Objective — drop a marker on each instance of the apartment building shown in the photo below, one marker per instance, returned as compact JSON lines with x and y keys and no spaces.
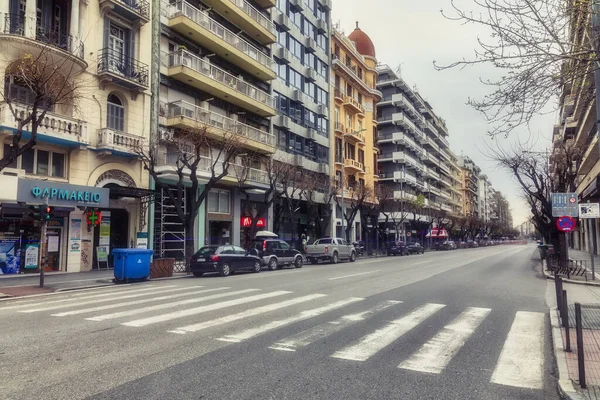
{"x":302,"y":98}
{"x":486,"y":198}
{"x":216,"y":73}
{"x":85,"y":158}
{"x":415,"y":157}
{"x":470,"y":186}
{"x":456,"y":200}
{"x":354,"y":99}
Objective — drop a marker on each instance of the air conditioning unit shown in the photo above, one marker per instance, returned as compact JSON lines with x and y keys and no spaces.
{"x":322,"y":110}
{"x":297,"y":5}
{"x":310,"y":45}
{"x":298,"y":160}
{"x":326,"y":4}
{"x":298,"y":96}
{"x":13,"y":172}
{"x":166,"y":134}
{"x":311,"y":134}
{"x":282,"y":121}
{"x":310,"y":74}
{"x":324,"y":168}
{"x":283,"y":22}
{"x":322,"y":26}
{"x":283,"y":55}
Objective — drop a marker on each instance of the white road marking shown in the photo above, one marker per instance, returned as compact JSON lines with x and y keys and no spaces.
{"x":302,"y":339}
{"x":252,"y":332}
{"x":135,"y":302}
{"x":94,"y":301}
{"x":521,"y":362}
{"x":435,"y":355}
{"x":349,"y":276}
{"x":168,"y":305}
{"x":203,"y":309}
{"x":422,"y":262}
{"x":255,"y":311}
{"x":370,"y":344}
{"x":79,"y":297}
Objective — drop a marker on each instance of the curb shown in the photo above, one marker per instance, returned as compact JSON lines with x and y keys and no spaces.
{"x":585,"y":283}
{"x":565,"y":385}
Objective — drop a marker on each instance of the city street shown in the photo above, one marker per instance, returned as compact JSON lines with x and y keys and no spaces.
{"x":466,"y":324}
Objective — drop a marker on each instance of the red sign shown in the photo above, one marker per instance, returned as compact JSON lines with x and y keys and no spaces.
{"x":566,"y":224}
{"x":93,"y":217}
{"x":246,"y":222}
{"x":438,"y":233}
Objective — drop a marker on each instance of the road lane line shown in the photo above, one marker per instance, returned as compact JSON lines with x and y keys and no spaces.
{"x":370,"y":344}
{"x":349,"y":276}
{"x":94,"y":301}
{"x":423,"y":262}
{"x":435,"y":355}
{"x":521,"y":362}
{"x":304,"y":338}
{"x":198,"y":310}
{"x":136,"y":302}
{"x":252,"y":332}
{"x":255,"y":311}
{"x":157,"y":307}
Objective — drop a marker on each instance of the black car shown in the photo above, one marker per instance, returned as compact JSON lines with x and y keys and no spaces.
{"x":397,"y":248}
{"x":276,"y":253}
{"x":415,"y":248}
{"x":224,"y":260}
{"x":447,"y":245}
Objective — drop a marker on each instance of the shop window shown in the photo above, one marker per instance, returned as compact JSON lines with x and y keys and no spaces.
{"x":40,"y":162}
{"x":219,"y":201}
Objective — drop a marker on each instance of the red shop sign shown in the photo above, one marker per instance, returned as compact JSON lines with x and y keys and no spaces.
{"x":246,"y":222}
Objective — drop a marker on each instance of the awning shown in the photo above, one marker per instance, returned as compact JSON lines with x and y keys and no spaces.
{"x":117,"y":192}
{"x":437,"y":233}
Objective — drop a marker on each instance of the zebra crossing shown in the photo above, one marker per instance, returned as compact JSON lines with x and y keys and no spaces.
{"x":520,"y":363}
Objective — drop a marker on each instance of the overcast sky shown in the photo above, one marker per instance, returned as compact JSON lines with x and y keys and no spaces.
{"x":411,"y":34}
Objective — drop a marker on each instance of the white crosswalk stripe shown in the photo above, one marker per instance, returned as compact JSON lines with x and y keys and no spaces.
{"x":164,"y":306}
{"x":143,"y":301}
{"x":437,"y":352}
{"x":245,"y":314}
{"x":259,"y":330}
{"x":311,"y":335}
{"x":370,"y":344}
{"x":521,"y":361}
{"x":198,"y":310}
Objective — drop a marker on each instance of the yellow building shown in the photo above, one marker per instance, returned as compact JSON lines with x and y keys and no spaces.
{"x":87,"y":143}
{"x":354,"y":100}
{"x":470,"y":186}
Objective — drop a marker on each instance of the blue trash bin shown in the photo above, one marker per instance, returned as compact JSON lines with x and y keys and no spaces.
{"x":131,"y":264}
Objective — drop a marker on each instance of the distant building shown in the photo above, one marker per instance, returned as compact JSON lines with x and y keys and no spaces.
{"x":470,"y":186}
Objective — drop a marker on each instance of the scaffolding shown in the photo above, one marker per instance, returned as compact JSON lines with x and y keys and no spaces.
{"x":169,"y":231}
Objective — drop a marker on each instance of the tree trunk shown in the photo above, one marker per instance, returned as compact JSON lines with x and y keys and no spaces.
{"x":190,"y":247}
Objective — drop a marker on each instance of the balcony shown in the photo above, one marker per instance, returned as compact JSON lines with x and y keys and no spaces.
{"x":433,"y":174}
{"x":353,"y":165}
{"x":61,"y":45}
{"x":122,"y":70}
{"x":354,"y":136}
{"x":338,"y":95}
{"x":131,"y":10}
{"x":54,"y":128}
{"x":114,"y":141}
{"x":249,"y":175}
{"x":400,"y":100}
{"x":201,"y":74}
{"x":339,"y":127}
{"x":432,"y":143}
{"x":353,"y":104}
{"x":432,"y":129}
{"x":350,"y":72}
{"x":200,"y":28}
{"x":248,"y":18}
{"x":406,"y":140}
{"x":444,"y":167}
{"x":404,"y":195}
{"x":402,"y":120}
{"x":183,"y":115}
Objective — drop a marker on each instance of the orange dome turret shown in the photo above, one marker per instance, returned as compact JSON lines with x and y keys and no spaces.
{"x":363,"y":42}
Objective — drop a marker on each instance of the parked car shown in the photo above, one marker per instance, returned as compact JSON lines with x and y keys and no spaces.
{"x":447,"y":245}
{"x":223,"y":259}
{"x":275,"y":253}
{"x":415,"y":248}
{"x":471,"y":244}
{"x":461,"y":245}
{"x":330,"y":249}
{"x":397,"y":248}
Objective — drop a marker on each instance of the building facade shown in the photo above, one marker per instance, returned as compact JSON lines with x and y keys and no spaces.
{"x":470,"y":186}
{"x":485,"y":198}
{"x":354,"y":151}
{"x":87,"y":142}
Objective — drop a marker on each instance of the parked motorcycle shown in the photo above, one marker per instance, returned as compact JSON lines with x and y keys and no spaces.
{"x":359,"y":247}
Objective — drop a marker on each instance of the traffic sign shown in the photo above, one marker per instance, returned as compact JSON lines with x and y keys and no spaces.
{"x":566,"y":224}
{"x":589,"y":210}
{"x":565,"y":204}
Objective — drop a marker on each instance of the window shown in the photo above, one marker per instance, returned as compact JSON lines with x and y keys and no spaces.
{"x":309,"y":29}
{"x":361,"y":156}
{"x":309,"y":89}
{"x":310,"y":119}
{"x":295,"y":79}
{"x":322,"y":154}
{"x":218,"y":201}
{"x":40,"y":162}
{"x":282,"y":72}
{"x":322,"y":41}
{"x":322,"y":97}
{"x":43,"y":158}
{"x":115,"y":113}
{"x":58,"y":164}
{"x":323,"y":127}
{"x":284,"y":246}
{"x":309,"y":60}
{"x":295,"y":48}
{"x":282,"y":39}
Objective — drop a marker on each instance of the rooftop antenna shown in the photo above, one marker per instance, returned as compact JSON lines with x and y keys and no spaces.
{"x":399,"y":70}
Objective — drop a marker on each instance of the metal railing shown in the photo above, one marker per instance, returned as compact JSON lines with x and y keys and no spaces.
{"x":108,"y":137}
{"x":253,"y":13}
{"x":140,"y":7}
{"x":201,"y":18}
{"x":111,"y":61}
{"x":14,"y":24}
{"x":184,"y":58}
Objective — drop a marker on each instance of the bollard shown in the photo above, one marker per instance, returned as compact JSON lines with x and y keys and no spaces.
{"x":566,"y":321}
{"x":558,"y":287}
{"x":580,"y":359}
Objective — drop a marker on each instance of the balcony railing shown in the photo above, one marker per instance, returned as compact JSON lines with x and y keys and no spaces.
{"x":184,"y":58}
{"x":354,"y":103}
{"x":253,"y":13}
{"x":141,"y":8}
{"x":184,"y":109}
{"x":339,"y":127}
{"x":202,"y":19}
{"x":349,"y":162}
{"x":116,"y":140}
{"x":113,"y":62}
{"x":14,"y":24}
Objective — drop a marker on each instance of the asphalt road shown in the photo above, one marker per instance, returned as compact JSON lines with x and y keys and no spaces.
{"x":467,"y":324}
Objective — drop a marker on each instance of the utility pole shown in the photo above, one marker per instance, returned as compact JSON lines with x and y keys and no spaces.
{"x":595,"y":37}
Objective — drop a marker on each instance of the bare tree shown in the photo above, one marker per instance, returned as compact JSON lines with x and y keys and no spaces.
{"x":319,"y":193}
{"x":194,"y":154}
{"x":355,"y":198}
{"x":537,"y":47}
{"x":35,"y":84}
{"x":393,"y":209}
